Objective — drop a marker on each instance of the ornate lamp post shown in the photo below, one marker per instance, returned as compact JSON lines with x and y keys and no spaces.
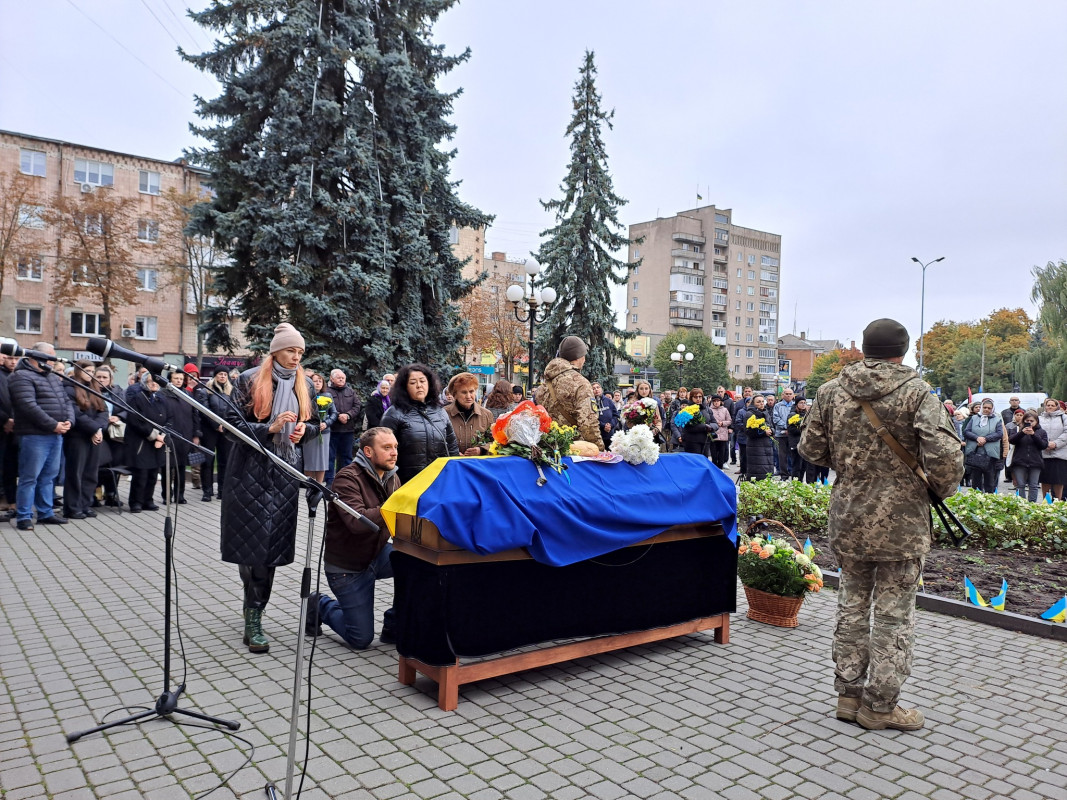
{"x":537,"y":302}
{"x":922,"y":306}
{"x":679,"y":357}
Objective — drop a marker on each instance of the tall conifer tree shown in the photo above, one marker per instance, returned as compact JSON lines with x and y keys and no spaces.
{"x":577,"y":256}
{"x":330,"y":187}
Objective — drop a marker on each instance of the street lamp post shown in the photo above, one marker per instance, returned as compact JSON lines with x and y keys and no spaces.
{"x":537,"y":303}
{"x":679,"y":357}
{"x":922,"y":307}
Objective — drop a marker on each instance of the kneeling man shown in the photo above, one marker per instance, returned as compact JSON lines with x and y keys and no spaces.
{"x":355,"y":556}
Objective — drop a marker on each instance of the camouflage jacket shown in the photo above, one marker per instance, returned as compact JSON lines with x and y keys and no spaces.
{"x":879,"y":509}
{"x":568,"y":398}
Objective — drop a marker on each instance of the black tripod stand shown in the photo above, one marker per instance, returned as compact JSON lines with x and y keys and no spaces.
{"x":167,"y":703}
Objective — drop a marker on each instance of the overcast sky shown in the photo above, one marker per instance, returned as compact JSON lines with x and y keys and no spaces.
{"x":863,"y":133}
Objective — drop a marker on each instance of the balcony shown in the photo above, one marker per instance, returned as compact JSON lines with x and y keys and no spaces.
{"x":691,"y":299}
{"x":677,"y":270}
{"x":718,"y":336}
{"x":696,"y":238}
{"x":691,"y":323}
{"x":720,"y":255}
{"x":690,"y":254}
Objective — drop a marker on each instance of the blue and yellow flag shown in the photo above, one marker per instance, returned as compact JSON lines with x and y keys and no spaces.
{"x":809,"y":548}
{"x":1058,"y":611}
{"x":489,"y":505}
{"x":973,"y":594}
{"x":998,"y":601}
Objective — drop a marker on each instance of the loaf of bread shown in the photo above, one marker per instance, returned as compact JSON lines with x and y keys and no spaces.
{"x":580,"y":448}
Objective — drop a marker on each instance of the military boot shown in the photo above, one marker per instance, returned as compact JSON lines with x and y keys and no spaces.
{"x":847,"y":708}
{"x":254,"y":637}
{"x":899,"y":719}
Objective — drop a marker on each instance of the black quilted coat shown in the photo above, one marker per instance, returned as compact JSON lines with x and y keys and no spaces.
{"x":38,"y":400}
{"x":423,"y":433}
{"x":760,"y":451}
{"x":259,"y":501}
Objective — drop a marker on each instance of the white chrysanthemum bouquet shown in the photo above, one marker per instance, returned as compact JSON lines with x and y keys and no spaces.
{"x":636,"y":445}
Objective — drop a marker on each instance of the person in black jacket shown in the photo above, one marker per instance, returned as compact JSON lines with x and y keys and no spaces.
{"x":759,"y":450}
{"x":378,"y":403}
{"x":145,"y":440}
{"x":418,"y":421}
{"x":9,"y":461}
{"x":184,"y":421}
{"x":1030,"y":441}
{"x":216,"y":395}
{"x":272,"y":404}
{"x":695,"y":434}
{"x":43,"y":414}
{"x":83,"y":445}
{"x":349,"y":422}
{"x":114,"y":455}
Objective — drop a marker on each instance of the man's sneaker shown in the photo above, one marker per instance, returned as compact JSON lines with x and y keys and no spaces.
{"x":24,"y":524}
{"x":312,"y":625}
{"x":847,"y":708}
{"x":52,"y":520}
{"x":899,"y":719}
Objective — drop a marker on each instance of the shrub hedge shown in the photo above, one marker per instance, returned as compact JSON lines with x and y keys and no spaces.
{"x":996,"y":521}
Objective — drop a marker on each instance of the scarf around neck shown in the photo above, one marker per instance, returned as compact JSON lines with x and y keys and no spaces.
{"x":284,"y":400}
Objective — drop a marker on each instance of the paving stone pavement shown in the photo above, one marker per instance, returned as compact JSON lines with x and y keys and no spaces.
{"x":80,"y":616}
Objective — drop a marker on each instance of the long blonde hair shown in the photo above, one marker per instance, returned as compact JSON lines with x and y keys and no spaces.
{"x":263,"y":391}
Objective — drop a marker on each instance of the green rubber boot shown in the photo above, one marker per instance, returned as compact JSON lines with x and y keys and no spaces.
{"x":254,"y":637}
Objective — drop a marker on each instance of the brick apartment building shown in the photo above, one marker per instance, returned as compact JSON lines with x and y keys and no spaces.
{"x":699,"y":270}
{"x":801,"y":352}
{"x":163,"y":321}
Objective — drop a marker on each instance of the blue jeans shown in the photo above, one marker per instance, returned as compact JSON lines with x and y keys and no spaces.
{"x":341,"y":444}
{"x":39,"y":457}
{"x":1028,"y":482}
{"x":351,"y":615}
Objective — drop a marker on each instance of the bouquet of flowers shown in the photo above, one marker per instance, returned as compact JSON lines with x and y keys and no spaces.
{"x":521,"y":433}
{"x":688,"y":415}
{"x":757,"y":426}
{"x":322,"y":405}
{"x":639,"y":412}
{"x":771,"y":564}
{"x":636,"y":446}
{"x":794,"y":424}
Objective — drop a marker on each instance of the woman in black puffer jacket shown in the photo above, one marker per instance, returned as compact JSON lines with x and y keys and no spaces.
{"x":760,"y":461}
{"x":1030,"y":440}
{"x":423,"y":431}
{"x":260,"y":501}
{"x":695,"y":434}
{"x":84,"y":446}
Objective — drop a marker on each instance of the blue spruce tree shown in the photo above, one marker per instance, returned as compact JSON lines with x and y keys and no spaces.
{"x":577,"y":255}
{"x":331,"y":190}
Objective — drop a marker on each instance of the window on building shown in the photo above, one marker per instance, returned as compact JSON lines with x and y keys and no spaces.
{"x":453,"y":235}
{"x":737,"y":368}
{"x":752,"y":274}
{"x":740,"y":272}
{"x":767,"y":369}
{"x":748,"y":369}
{"x":79,"y":274}
{"x":737,"y":321}
{"x":738,"y":307}
{"x":494,"y":290}
{"x":696,"y":248}
{"x":722,"y":218}
{"x":84,"y":324}
{"x":769,"y":276}
{"x":635,"y":286}
{"x":749,"y":337}
{"x":749,"y":322}
{"x":767,"y":261}
{"x":636,"y":269}
{"x":718,"y":299}
{"x":720,"y":283}
{"x":738,"y":288}
{"x":633,"y":302}
{"x":751,"y":306}
{"x":96,"y":173}
{"x":148,"y":230}
{"x":737,"y":337}
{"x":31,"y":216}
{"x":748,"y":352}
{"x":148,"y":182}
{"x":30,"y":268}
{"x":722,"y":235}
{"x":145,"y":328}
{"x":32,"y":162}
{"x":93,"y":224}
{"x":751,"y":291}
{"x":637,"y":255}
{"x":148,"y":280}
{"x":737,"y":352}
{"x":764,"y":353}
{"x":28,"y":320}
{"x":752,"y":259}
{"x":740,"y":257}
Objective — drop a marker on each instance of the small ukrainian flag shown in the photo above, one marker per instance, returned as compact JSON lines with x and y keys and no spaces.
{"x":1058,"y":611}
{"x":973,"y":594}
{"x":998,"y":601}
{"x":809,"y":548}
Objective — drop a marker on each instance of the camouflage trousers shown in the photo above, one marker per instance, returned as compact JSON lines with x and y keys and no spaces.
{"x":873,"y":661}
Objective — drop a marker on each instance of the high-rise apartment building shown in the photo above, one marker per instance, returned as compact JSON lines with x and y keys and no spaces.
{"x":699,"y":270}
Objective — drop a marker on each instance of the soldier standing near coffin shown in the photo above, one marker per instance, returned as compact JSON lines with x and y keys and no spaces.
{"x":880,"y":527}
{"x":567,"y":396}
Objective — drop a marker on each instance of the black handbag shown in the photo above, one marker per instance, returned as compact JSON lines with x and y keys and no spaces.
{"x":978,"y":459}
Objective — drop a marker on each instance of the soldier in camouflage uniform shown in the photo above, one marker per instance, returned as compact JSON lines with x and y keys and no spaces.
{"x":880,"y":526}
{"x":567,"y":396}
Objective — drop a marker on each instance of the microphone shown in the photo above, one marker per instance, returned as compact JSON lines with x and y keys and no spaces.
{"x":12,"y":349}
{"x":106,"y":348}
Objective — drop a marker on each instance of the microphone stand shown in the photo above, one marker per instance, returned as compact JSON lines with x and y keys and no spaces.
{"x":167,"y":702}
{"x":305,"y":581}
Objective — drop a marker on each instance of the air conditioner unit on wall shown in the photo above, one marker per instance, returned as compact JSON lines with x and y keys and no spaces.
{"x":128,"y":333}
{"x":87,"y":188}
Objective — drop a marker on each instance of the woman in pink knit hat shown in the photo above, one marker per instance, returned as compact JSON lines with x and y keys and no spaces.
{"x":260,"y":502}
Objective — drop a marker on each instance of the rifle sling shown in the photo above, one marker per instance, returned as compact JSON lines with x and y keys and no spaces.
{"x":880,"y":428}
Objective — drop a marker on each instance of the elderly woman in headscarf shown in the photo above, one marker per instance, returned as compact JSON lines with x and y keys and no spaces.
{"x":260,"y":502}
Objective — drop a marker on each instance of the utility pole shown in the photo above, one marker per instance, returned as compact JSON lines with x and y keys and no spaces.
{"x":981,"y":379}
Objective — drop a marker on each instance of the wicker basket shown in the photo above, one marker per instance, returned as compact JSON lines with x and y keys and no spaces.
{"x":773,"y":609}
